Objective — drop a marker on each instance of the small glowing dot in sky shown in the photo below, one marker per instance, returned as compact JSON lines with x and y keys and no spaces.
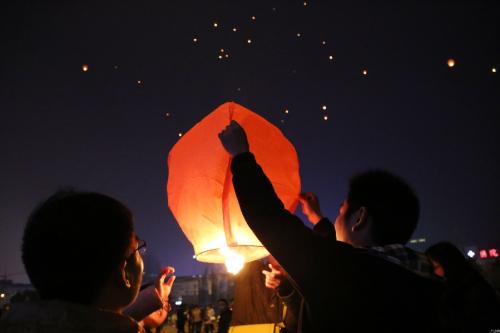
{"x":249,"y":41}
{"x":235,"y":29}
{"x":167,"y":114}
{"x":299,"y":34}
{"x":323,"y":42}
{"x":195,"y":39}
{"x":493,"y":70}
{"x":286,"y":111}
{"x":220,"y":56}
{"x":253,"y":18}
{"x":365,"y":72}
{"x":227,"y":55}
{"x":139,"y":81}
{"x":305,"y":3}
{"x":451,"y":62}
{"x":325,"y":117}
{"x":324,"y":107}
{"x":330,"y":57}
{"x":222,"y":50}
{"x":216,"y":24}
{"x":180,"y":134}
{"x":85,"y":67}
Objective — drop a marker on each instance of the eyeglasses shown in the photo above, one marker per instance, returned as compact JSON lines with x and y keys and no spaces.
{"x":141,"y":248}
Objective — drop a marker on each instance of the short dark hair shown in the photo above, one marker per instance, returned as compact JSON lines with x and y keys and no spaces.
{"x":223,"y":300}
{"x":389,"y":200}
{"x":454,"y":263}
{"x":72,"y":242}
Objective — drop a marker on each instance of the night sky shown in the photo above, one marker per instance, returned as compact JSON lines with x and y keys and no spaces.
{"x":154,"y":72}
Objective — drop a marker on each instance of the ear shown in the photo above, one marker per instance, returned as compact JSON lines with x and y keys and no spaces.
{"x":361,"y":219}
{"x":124,"y":275}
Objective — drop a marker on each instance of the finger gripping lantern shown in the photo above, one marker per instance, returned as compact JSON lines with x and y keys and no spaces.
{"x":200,"y":189}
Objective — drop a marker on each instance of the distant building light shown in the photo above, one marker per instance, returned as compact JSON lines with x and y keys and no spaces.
{"x":471,"y":254}
{"x":483,"y":254}
{"x":493,"y":253}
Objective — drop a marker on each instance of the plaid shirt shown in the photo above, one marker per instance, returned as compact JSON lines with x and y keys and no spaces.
{"x":405,"y":257}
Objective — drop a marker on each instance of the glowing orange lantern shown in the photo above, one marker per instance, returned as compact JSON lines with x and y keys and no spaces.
{"x":200,"y":189}
{"x":451,"y":62}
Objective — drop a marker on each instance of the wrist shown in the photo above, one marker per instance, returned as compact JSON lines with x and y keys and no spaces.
{"x":315,"y":218}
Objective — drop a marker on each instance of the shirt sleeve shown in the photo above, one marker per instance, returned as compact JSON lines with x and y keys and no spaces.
{"x":300,"y":251}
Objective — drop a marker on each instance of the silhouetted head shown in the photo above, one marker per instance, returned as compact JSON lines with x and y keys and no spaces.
{"x":222,"y":305}
{"x":81,"y":247}
{"x":380,"y":209}
{"x":448,"y":260}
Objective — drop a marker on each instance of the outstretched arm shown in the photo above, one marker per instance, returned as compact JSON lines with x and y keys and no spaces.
{"x":296,"y":247}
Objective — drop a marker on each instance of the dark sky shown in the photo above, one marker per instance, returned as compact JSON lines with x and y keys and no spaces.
{"x":101,"y":130}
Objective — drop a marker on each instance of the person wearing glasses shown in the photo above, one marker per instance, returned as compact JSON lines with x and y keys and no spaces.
{"x":84,"y":258}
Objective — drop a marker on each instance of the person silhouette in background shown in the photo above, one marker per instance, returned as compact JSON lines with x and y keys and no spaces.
{"x":469,"y":303}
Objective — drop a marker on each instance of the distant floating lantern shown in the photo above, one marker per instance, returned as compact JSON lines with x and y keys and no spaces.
{"x":451,"y":62}
{"x":365,"y":72}
{"x":216,"y":24}
{"x":323,"y":42}
{"x":323,"y":107}
{"x":249,"y":41}
{"x":253,"y":18}
{"x":195,"y":39}
{"x":286,"y":111}
{"x":139,"y":81}
{"x":85,"y":67}
{"x":299,"y":34}
{"x":200,"y":190}
{"x":325,"y":117}
{"x":493,"y":70}
{"x":235,"y":29}
{"x":180,"y":134}
{"x":330,"y":57}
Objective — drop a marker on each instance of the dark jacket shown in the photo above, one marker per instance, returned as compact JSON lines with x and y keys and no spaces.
{"x":224,"y":321}
{"x":63,"y":317}
{"x":347,"y":289}
{"x":253,"y":302}
{"x":469,"y":305}
{"x":296,"y":318}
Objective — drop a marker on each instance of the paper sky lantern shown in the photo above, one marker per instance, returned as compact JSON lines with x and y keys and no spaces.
{"x":451,"y":62}
{"x":200,"y":189}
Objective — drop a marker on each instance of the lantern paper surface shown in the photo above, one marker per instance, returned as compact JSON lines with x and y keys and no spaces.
{"x":200,"y":189}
